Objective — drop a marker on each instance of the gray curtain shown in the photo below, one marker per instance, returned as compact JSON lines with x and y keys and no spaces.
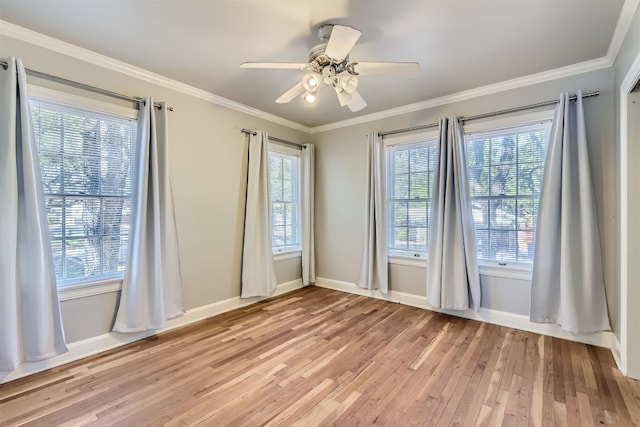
{"x":568,"y":286}
{"x":308,"y":221}
{"x":152,"y":285}
{"x":374,"y":268}
{"x":258,"y":274}
{"x":30,"y":322}
{"x":453,"y":280}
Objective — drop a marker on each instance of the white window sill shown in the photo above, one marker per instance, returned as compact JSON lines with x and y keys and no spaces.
{"x":509,"y":271}
{"x":416,"y":260}
{"x":279,"y":256}
{"x":83,"y":290}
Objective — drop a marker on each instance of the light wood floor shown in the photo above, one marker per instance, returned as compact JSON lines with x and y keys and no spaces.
{"x":321,"y":357}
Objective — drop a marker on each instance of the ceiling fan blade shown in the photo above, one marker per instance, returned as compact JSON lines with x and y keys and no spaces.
{"x":395,"y":69}
{"x":298,"y":89}
{"x":275,"y":65}
{"x":341,"y":42}
{"x":356,"y":103}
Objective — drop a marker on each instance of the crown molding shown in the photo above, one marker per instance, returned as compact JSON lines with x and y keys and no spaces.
{"x":545,"y":76}
{"x":622,"y":28}
{"x":20,"y":33}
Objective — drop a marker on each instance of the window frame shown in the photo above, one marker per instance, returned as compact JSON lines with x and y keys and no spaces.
{"x":517,"y":271}
{"x":87,"y":286}
{"x":507,"y":268}
{"x":396,"y":256}
{"x":292,"y":251}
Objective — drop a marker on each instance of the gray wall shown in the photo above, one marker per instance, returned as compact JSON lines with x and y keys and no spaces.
{"x":629,"y":49}
{"x":208,"y":167}
{"x":340,"y":188}
{"x":628,"y":53}
{"x":208,"y":156}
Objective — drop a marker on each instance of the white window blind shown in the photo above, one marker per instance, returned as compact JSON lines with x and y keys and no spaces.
{"x":86,"y":160}
{"x":505,"y":169}
{"x":410,"y":173}
{"x":285,"y":201}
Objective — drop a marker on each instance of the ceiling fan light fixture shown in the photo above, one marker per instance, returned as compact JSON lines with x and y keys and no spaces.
{"x":347,"y":83}
{"x":310,"y":97}
{"x":310,"y":83}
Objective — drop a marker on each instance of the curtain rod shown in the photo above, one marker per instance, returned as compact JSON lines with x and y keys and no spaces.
{"x":273,"y":138}
{"x":100,"y":91}
{"x":485,"y":115}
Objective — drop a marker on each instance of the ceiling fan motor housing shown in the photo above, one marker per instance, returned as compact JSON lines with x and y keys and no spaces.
{"x":318,"y":61}
{"x":324,"y":32}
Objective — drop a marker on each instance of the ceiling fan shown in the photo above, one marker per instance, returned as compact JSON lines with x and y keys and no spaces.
{"x":329,"y":64}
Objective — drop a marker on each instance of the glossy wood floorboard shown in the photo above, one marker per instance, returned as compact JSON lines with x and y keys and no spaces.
{"x":322,"y":357}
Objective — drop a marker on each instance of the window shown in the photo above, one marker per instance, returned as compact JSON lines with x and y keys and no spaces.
{"x":285,"y":200}
{"x":87,"y":163}
{"x":410,"y":172}
{"x":505,"y":169}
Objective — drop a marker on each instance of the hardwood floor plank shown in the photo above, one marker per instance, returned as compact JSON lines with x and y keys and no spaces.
{"x":579,"y":379}
{"x":596,"y":408}
{"x":477,"y":408}
{"x":322,"y":357}
{"x":493,"y":389}
{"x":308,"y":399}
{"x":559,"y":414}
{"x":525,"y":398}
{"x":622,"y":415}
{"x":567,"y":369}
{"x":548,"y":409}
{"x":586,"y":416}
{"x":483,"y":417}
{"x":558,"y":372}
{"x":572,"y":410}
{"x":497,"y":415}
{"x":514,"y":396}
{"x":631,"y":399}
{"x":450,"y":354}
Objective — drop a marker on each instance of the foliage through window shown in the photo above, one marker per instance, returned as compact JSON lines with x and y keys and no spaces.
{"x":505,"y":169}
{"x":410,"y":173}
{"x":285,"y":201}
{"x":86,"y":161}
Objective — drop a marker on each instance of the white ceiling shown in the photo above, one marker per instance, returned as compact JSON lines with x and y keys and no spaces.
{"x":460,"y":45}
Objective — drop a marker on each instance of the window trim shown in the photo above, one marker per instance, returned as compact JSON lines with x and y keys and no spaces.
{"x":52,"y":95}
{"x":392,"y":142}
{"x":508,"y":269}
{"x":406,"y":259}
{"x":288,"y":251}
{"x":492,"y":268}
{"x":88,"y":286}
{"x":489,"y":269}
{"x":520,"y":120}
{"x":89,"y":289}
{"x":513,"y":270}
{"x":409,"y":139}
{"x":281,"y":256}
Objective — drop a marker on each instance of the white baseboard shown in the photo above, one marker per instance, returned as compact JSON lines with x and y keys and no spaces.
{"x":616,"y":350}
{"x":502,"y":318}
{"x":98,"y":344}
